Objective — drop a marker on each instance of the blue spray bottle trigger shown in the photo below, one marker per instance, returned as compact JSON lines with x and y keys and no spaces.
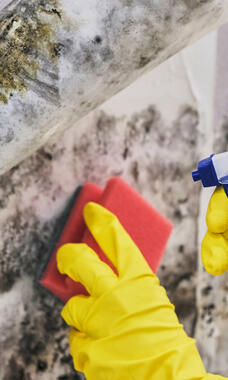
{"x":213,"y":171}
{"x":206,"y":173}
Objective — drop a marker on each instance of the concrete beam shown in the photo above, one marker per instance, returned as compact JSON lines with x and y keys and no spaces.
{"x":62,"y":58}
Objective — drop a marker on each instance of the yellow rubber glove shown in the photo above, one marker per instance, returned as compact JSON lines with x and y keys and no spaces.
{"x":127,"y":328}
{"x":214,"y":250}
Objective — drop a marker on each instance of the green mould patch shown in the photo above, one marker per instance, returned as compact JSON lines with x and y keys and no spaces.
{"x":27,"y":43}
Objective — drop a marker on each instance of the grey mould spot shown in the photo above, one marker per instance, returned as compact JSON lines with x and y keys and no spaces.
{"x":192,"y":4}
{"x":6,"y":137}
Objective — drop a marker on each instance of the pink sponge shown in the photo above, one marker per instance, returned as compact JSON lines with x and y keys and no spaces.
{"x":149,"y":230}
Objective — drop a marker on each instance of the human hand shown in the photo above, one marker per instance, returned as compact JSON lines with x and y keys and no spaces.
{"x":214,"y":249}
{"x":127,"y":328}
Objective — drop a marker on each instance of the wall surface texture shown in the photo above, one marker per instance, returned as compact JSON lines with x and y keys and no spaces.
{"x":152,"y":134}
{"x":59,"y":59}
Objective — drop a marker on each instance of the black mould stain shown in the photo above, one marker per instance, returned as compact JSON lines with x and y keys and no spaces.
{"x":14,"y":371}
{"x":143,"y":61}
{"x":98,"y":40}
{"x":26,"y":35}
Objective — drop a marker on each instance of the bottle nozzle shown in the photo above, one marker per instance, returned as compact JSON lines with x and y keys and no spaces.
{"x":196,"y":176}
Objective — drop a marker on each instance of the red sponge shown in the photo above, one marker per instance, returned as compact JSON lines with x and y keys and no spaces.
{"x":149,"y":230}
{"x":72,"y":233}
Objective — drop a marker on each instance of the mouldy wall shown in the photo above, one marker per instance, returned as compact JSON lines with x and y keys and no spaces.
{"x":33,"y":337}
{"x":58,"y":61}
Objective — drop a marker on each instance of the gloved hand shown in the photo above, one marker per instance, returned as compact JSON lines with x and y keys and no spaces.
{"x":127,"y":328}
{"x":214,"y":250}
